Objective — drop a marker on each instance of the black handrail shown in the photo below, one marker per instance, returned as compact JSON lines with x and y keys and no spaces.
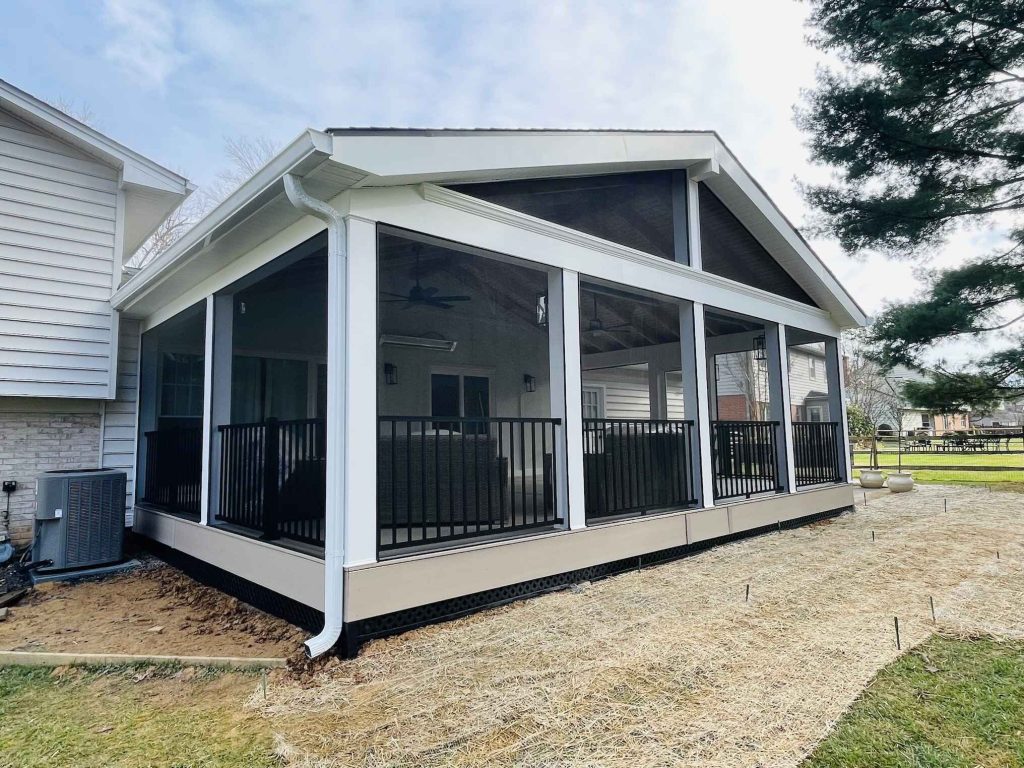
{"x":816,"y":452}
{"x":284,"y":496}
{"x":174,"y":467}
{"x":451,"y":478}
{"x":745,"y":458}
{"x":636,"y":466}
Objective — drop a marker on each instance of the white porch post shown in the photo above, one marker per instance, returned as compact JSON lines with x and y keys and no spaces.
{"x":837,"y":402}
{"x":359,"y":395}
{"x":572,"y":494}
{"x":778,"y":383}
{"x":207,"y":449}
{"x":697,"y":403}
{"x":221,"y":313}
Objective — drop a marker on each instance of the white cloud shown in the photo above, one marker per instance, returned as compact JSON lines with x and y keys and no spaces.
{"x":142,"y":41}
{"x":736,"y":66}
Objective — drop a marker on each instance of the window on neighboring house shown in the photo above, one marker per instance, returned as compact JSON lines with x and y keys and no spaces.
{"x":926,"y":420}
{"x":814,"y":413}
{"x":812,"y":367}
{"x":454,"y":395}
{"x":181,"y":385}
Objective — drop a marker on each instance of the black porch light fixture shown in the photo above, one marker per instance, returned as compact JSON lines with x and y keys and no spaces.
{"x":390,"y":374}
{"x":529,"y":382}
{"x":759,"y":348}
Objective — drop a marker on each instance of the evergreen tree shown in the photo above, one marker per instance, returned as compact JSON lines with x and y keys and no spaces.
{"x":925,"y":124}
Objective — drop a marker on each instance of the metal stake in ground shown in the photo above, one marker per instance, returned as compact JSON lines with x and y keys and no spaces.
{"x":747,"y":600}
{"x":931,"y":602}
{"x":872,"y":535}
{"x":896,"y":623}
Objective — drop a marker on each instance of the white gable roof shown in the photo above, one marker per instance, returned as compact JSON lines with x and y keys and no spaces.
{"x":151,"y":191}
{"x":339,"y":159}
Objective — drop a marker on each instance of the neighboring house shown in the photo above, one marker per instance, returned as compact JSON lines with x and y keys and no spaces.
{"x":1011,"y":414}
{"x":403,"y":374}
{"x":917,"y":420}
{"x":74,"y":204}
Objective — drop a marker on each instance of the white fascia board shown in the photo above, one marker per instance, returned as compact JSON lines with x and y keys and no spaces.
{"x":399,"y":159}
{"x":730,"y":168}
{"x":309,"y":145}
{"x":135,"y":168}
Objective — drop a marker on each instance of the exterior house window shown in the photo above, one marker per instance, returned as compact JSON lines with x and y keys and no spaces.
{"x":456,"y":395}
{"x":926,"y":420}
{"x":181,"y":385}
{"x":814,"y":413}
{"x":812,"y":368}
{"x":593,"y":403}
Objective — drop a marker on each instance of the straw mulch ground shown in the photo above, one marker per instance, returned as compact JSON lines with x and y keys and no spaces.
{"x":672,"y":666}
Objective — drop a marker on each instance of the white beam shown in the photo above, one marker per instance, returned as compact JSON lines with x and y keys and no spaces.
{"x":573,"y":426}
{"x":697,"y":403}
{"x":205,"y":477}
{"x":359,"y":326}
{"x":778,"y":383}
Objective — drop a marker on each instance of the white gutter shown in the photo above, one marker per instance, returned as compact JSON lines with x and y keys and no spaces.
{"x":334,"y":524}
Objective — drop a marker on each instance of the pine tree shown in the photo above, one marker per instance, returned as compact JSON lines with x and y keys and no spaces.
{"x":925,"y":124}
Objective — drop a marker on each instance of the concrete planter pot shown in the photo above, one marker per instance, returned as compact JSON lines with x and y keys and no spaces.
{"x":901,"y":482}
{"x":871,"y":478}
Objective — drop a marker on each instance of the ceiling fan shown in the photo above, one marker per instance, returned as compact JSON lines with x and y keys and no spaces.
{"x":420,"y":296}
{"x":596,"y":325}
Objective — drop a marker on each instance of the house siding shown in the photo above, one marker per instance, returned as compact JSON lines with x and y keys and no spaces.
{"x":119,"y":414}
{"x":58,"y":252}
{"x":38,"y":435}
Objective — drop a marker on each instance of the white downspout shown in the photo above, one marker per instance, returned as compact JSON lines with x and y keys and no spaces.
{"x":334,"y":524}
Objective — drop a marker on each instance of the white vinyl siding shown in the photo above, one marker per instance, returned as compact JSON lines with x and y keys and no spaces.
{"x":626,"y":392}
{"x":118,"y":450}
{"x":58,"y":225}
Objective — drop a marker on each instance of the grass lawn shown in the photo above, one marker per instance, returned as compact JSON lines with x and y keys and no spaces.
{"x":948,"y":704}
{"x":970,"y":467}
{"x":128,"y":717}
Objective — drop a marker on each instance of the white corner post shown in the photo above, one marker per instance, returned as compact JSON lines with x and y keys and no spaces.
{"x":568,"y":363}
{"x":778,"y":384}
{"x":697,"y":404}
{"x":834,"y":376}
{"x":360,"y":490}
{"x":205,"y":476}
{"x":693,"y":222}
{"x":221,"y":313}
{"x":334,"y":523}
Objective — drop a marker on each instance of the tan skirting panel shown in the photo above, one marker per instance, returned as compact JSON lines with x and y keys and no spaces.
{"x":292,"y":574}
{"x":394,"y":585}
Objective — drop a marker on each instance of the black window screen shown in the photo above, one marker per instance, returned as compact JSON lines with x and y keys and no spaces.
{"x":729,"y":250}
{"x":632,"y":209}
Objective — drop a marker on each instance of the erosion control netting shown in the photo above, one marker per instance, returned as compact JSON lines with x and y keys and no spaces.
{"x":674,"y":665}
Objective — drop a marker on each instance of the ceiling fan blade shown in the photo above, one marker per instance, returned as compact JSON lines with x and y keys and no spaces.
{"x":395,"y":295}
{"x":429,"y":291}
{"x":451,"y":298}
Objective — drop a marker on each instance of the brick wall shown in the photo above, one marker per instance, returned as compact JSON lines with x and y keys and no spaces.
{"x":40,"y":435}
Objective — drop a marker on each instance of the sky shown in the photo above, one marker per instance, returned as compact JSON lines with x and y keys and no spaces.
{"x":173,"y":80}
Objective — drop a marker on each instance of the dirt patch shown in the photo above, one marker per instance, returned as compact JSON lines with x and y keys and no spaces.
{"x":673,"y":665}
{"x":158,"y":611}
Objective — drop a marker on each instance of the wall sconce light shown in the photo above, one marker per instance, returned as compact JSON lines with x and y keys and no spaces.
{"x":541,"y":311}
{"x":529,"y":382}
{"x":390,"y":374}
{"x":759,"y":348}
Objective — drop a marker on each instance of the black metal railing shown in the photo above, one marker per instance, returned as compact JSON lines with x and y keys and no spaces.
{"x":174,"y":468}
{"x":635,"y":466}
{"x":456,"y":478}
{"x":816,"y":452}
{"x":273,"y":478}
{"x":745,"y":458}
